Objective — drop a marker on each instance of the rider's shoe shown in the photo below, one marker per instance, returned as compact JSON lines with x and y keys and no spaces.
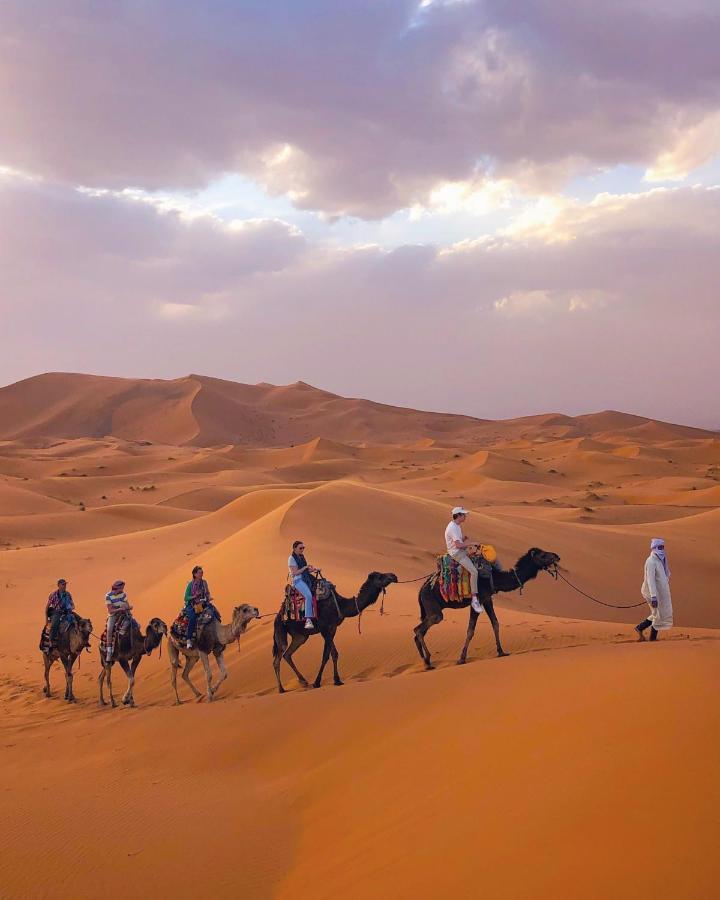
{"x":476,"y":605}
{"x":189,"y":645}
{"x":309,"y":624}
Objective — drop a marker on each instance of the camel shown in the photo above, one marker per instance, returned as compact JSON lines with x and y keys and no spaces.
{"x":212,"y":638}
{"x":328,"y":623}
{"x":70,"y":644}
{"x":432,"y":603}
{"x":129,"y":651}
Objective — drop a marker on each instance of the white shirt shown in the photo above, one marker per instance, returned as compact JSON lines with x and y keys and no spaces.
{"x":453,"y":533}
{"x":293,"y":565}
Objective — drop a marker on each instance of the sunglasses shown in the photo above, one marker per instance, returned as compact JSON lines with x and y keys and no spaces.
{"x":301,"y":548}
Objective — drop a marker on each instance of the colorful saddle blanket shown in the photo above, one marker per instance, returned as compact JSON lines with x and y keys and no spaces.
{"x":123,"y":624}
{"x":179,"y":627}
{"x":293,"y":608}
{"x":65,"y":623}
{"x":454,"y":581}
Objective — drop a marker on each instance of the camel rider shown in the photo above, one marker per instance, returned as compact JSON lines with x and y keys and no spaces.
{"x":301,"y":576}
{"x":457,"y":547}
{"x":116,"y":602}
{"x":197,"y":598}
{"x":60,"y":605}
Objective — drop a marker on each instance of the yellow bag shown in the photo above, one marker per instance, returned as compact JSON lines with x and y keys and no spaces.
{"x":488,"y":552}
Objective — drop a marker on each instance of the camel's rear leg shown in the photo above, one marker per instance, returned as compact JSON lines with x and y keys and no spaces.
{"x":335,"y":655}
{"x":190,"y":663}
{"x":472,"y":623}
{"x":108,"y":677}
{"x":490,"y":609}
{"x":325,"y":658}
{"x":297,"y":641}
{"x":174,"y":666}
{"x":208,"y":675}
{"x":421,"y":630}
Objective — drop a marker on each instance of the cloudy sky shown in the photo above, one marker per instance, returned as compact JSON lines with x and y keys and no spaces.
{"x":498,"y":207}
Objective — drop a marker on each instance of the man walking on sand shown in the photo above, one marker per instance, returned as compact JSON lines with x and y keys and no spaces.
{"x":457,"y":547}
{"x":656,"y":590}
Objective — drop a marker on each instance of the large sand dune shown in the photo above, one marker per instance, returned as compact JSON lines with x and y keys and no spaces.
{"x":561,"y":771}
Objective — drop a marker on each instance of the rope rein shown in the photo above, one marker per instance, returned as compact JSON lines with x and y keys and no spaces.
{"x":594,"y":599}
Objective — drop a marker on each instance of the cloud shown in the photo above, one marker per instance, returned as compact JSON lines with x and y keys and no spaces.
{"x":354,"y":108}
{"x":622,"y":312}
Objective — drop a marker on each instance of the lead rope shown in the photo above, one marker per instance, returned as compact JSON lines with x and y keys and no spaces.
{"x":359,"y":612}
{"x":517,"y":578}
{"x":558,"y":574}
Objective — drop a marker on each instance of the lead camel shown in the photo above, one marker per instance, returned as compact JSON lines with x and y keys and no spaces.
{"x":432,"y":603}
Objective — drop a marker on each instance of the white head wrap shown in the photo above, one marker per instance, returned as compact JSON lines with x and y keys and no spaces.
{"x":655,"y":545}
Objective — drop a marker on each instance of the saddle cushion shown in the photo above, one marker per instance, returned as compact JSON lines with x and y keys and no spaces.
{"x":179,"y":627}
{"x":293,"y":608}
{"x":454,"y":581}
{"x":65,"y":623}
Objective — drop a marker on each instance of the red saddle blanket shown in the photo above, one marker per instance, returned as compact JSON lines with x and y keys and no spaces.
{"x":180,"y":626}
{"x":121,"y":630}
{"x":293,"y":608}
{"x":454,"y":581}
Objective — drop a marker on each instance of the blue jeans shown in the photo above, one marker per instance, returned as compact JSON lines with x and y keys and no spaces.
{"x":192,"y":620}
{"x":303,"y":588}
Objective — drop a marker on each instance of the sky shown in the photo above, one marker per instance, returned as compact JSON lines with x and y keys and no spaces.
{"x":494,"y":207}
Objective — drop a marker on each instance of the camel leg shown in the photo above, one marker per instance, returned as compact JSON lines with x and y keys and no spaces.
{"x":472,"y":622}
{"x":334,"y":653}
{"x":69,"y":696}
{"x":48,"y":665}
{"x":101,"y":682}
{"x":190,"y":662}
{"x":297,"y":641}
{"x":129,"y":670}
{"x":277,"y":660}
{"x":490,"y":610}
{"x":421,"y":630}
{"x":325,"y":658}
{"x":108,"y":676}
{"x":220,"y":659}
{"x":208,"y":674}
{"x":174,"y":666}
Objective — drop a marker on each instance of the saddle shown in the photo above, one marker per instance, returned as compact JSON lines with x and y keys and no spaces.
{"x":454,"y":581}
{"x":124,"y":622}
{"x":179,"y":627}
{"x":65,"y":623}
{"x":293,"y":607}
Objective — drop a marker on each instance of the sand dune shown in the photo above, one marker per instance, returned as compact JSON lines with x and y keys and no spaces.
{"x":551,"y":773}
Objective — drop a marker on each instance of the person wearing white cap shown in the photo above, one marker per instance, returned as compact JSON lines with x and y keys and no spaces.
{"x":656,"y":590}
{"x":457,"y":546}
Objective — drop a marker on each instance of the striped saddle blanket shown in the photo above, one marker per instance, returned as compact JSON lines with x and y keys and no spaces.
{"x":293,"y":608}
{"x":454,"y":581}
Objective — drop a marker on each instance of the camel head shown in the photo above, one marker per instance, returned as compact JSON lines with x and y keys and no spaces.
{"x":158,"y":626}
{"x":543,"y":559}
{"x":242,"y":616}
{"x":381,"y":580}
{"x":84,"y":627}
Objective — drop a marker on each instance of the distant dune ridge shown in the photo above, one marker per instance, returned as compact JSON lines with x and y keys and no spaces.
{"x":197,"y":410}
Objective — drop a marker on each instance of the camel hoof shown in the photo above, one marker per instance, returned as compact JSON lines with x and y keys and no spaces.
{"x":337,"y":683}
{"x":304,"y":684}
{"x":461,"y":662}
{"x":102,"y":702}
{"x":282,"y":691}
{"x":316,"y":684}
{"x":503,"y":653}
{"x":429,"y":667}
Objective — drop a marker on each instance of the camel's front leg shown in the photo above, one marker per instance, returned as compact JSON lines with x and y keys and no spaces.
{"x":108,"y":676}
{"x":220,"y":660}
{"x":472,"y":623}
{"x":101,"y":683}
{"x":490,"y":609}
{"x":69,"y":695}
{"x":334,"y":653}
{"x":129,"y":670}
{"x":325,"y":658}
{"x":208,"y":674}
{"x":48,"y":665}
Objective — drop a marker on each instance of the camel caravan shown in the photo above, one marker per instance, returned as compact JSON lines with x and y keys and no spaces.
{"x":467,"y":576}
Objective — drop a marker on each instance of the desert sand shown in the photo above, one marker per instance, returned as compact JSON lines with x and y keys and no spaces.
{"x":584,"y":765}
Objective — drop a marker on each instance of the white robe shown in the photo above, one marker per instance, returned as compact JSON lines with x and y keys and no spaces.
{"x":657,"y":584}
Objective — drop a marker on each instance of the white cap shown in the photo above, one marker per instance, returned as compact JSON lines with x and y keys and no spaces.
{"x":458,"y":510}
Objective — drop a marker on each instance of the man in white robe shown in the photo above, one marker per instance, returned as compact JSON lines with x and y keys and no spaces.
{"x":656,"y":590}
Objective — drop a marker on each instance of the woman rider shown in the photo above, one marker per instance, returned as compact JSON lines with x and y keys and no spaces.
{"x":301,"y":575}
{"x":197,"y":597}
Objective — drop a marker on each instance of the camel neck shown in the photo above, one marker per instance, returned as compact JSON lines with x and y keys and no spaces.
{"x":351,"y":606}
